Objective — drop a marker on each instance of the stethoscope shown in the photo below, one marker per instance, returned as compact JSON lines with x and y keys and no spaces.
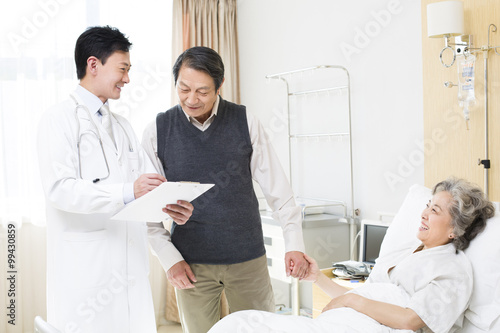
{"x":97,"y":135}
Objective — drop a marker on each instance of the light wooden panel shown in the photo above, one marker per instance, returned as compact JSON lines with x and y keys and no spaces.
{"x":451,"y":149}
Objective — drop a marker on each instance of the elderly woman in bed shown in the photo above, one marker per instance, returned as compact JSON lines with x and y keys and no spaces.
{"x":422,"y":287}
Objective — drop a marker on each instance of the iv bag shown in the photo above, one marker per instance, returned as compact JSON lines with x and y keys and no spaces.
{"x":466,"y":96}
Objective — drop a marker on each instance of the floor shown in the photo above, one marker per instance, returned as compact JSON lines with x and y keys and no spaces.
{"x":170,"y":328}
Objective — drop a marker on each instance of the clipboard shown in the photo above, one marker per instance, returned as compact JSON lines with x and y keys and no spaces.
{"x":148,"y":208}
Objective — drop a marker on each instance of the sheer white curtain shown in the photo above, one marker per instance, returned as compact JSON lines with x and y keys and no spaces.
{"x":37,"y":71}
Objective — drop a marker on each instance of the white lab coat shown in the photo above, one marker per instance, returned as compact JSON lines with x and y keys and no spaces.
{"x":97,"y":268}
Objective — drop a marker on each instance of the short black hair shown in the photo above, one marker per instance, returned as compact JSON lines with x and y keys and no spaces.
{"x":100,"y":42}
{"x":203,"y":59}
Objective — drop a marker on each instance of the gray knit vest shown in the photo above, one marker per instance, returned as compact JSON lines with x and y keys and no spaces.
{"x":225,"y":227}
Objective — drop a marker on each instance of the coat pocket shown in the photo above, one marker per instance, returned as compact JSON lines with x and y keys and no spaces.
{"x":85,"y":261}
{"x":134,"y":163}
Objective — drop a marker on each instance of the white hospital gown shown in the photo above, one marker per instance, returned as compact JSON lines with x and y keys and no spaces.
{"x":436,"y":283}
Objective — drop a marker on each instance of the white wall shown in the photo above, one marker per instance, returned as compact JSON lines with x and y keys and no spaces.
{"x":379,"y":42}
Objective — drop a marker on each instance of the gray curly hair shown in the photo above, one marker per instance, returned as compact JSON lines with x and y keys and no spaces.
{"x":469,"y":209}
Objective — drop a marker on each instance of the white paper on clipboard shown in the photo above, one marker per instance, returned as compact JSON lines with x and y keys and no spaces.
{"x":148,"y":208}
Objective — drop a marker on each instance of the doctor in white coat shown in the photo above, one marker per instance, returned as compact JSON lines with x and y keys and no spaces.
{"x":97,"y":268}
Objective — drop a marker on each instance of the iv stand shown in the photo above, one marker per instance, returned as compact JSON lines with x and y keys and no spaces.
{"x":465,"y":41}
{"x":486,"y":161}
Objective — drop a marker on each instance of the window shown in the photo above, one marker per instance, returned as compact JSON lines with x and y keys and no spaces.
{"x":37,"y":71}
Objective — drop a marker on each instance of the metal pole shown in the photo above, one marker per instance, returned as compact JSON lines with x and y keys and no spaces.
{"x":486,"y":182}
{"x":295,"y":297}
{"x":353,"y":228}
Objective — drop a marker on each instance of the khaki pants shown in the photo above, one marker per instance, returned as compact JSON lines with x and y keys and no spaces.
{"x":247,"y":286}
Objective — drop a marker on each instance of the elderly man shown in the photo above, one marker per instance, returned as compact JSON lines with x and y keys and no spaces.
{"x":207,"y":139}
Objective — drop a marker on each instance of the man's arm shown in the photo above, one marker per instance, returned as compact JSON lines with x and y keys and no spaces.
{"x":267,"y":171}
{"x":178,"y":271}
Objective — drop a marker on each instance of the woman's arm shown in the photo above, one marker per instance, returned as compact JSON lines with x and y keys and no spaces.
{"x":331,"y":288}
{"x":387,"y":314}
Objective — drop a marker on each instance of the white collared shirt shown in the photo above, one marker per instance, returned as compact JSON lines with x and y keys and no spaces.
{"x":208,"y":122}
{"x":266,"y":170}
{"x":91,"y":101}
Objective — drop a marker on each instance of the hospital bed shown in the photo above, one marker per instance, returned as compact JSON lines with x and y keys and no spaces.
{"x":481,"y":316}
{"x":483,"y":312}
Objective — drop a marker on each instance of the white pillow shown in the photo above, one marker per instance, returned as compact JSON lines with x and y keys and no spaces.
{"x":470,"y":328}
{"x":483,"y":252}
{"x":404,"y":226}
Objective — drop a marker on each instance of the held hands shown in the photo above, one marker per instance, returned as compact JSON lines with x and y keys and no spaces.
{"x":313,"y":272}
{"x":296,"y":264}
{"x":181,"y":276}
{"x":146,"y":183}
